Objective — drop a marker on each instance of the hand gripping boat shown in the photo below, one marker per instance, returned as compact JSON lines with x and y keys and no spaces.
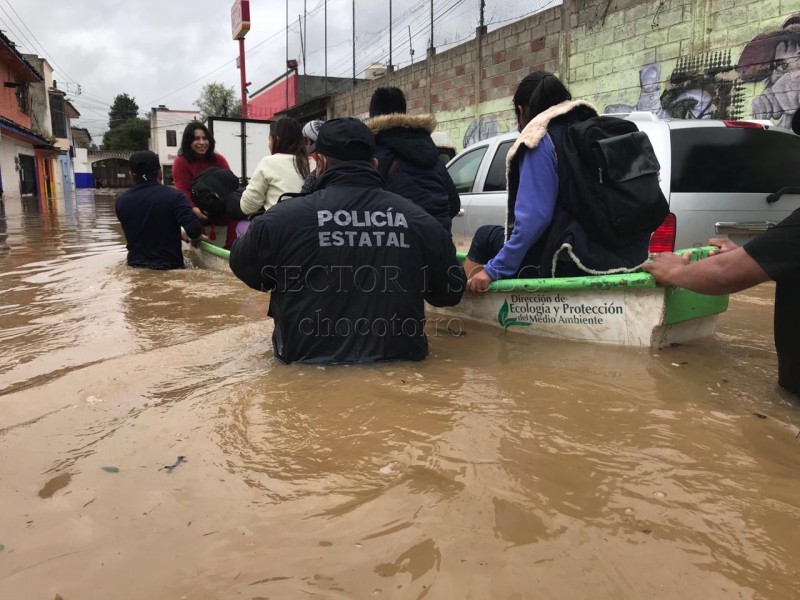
{"x":626,"y":310}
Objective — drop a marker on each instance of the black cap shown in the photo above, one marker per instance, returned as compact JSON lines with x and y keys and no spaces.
{"x":144,"y":162}
{"x":346,"y":139}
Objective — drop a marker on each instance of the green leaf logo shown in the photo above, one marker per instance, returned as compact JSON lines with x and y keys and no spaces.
{"x":506,"y":322}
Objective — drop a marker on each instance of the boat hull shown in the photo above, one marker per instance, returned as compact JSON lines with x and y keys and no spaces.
{"x":624,"y":310}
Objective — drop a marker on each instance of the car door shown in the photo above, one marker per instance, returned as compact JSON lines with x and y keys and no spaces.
{"x":487,"y":204}
{"x":463,"y":171}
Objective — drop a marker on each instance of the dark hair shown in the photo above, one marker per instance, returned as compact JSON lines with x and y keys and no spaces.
{"x":536,"y":93}
{"x":287,"y":138}
{"x":387,"y":100}
{"x":188,"y":138}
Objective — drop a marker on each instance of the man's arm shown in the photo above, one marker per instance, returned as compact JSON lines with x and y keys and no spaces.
{"x":186,"y":218}
{"x":730,"y":271}
{"x":251,"y":258}
{"x":445,"y":278}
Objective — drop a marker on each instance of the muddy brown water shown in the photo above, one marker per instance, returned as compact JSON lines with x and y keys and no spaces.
{"x":502,"y":467}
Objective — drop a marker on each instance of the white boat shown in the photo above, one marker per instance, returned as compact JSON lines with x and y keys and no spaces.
{"x":626,"y":310}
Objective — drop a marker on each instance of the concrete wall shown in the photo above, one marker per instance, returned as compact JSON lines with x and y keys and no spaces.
{"x":676,"y":58}
{"x":83,"y":169}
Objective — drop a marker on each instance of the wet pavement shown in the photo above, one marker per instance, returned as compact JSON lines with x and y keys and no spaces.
{"x":502,"y":467}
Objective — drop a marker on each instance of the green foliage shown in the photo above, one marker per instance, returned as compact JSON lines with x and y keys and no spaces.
{"x":132,"y":134}
{"x":123,"y":109}
{"x":218,"y":101}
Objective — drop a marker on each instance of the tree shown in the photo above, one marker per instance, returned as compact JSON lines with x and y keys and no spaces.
{"x":123,"y":109}
{"x":132,"y":134}
{"x":218,"y":101}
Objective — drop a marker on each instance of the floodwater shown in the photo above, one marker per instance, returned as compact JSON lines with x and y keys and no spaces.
{"x":502,"y":467}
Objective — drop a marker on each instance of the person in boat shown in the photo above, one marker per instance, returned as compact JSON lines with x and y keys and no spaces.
{"x":310,"y":133}
{"x":196,"y":155}
{"x":773,"y":255}
{"x":350,"y":265}
{"x":523,"y":249}
{"x":408,"y":158}
{"x":152,"y":214}
{"x":283,"y":171}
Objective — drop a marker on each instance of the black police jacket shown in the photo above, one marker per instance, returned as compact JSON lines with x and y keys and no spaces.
{"x":348,"y":267}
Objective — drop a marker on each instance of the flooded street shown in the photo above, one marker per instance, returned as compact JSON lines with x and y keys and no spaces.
{"x":502,"y":467}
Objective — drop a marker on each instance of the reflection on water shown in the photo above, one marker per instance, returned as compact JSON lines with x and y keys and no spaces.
{"x":502,"y":467}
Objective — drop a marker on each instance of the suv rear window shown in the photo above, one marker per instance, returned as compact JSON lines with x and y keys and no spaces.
{"x":734,"y":160}
{"x":496,"y":178}
{"x":464,"y":169}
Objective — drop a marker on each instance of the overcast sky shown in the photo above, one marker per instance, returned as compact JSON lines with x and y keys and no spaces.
{"x":164,"y":51}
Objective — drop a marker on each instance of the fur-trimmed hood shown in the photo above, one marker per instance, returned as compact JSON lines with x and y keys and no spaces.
{"x":384,"y":122}
{"x":536,"y":129}
{"x":408,"y":137}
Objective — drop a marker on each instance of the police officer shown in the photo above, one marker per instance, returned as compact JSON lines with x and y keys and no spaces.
{"x":152,"y":214}
{"x":350,"y":265}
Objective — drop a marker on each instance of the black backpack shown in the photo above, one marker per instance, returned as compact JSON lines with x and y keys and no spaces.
{"x":216,"y":192}
{"x":608,"y":179}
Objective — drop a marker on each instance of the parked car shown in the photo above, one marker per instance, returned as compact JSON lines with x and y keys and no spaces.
{"x":722,"y":178}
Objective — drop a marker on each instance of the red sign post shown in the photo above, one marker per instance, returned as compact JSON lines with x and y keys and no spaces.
{"x":240,"y":25}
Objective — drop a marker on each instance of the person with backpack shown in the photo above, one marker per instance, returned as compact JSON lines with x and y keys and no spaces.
{"x":408,"y":158}
{"x":282,"y":171}
{"x":195,"y":156}
{"x":552,"y":207}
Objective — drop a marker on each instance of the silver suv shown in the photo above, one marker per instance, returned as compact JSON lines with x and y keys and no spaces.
{"x":722,"y":178}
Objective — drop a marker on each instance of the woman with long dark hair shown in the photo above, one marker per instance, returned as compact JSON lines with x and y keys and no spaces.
{"x":538,"y":227}
{"x":283,"y":171}
{"x":196,"y":155}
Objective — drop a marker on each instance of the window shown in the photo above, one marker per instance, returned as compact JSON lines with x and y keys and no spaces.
{"x":465,"y":169}
{"x":734,"y":160}
{"x":172,"y":138}
{"x":58,"y":118}
{"x":23,"y":101}
{"x":167,"y":171}
{"x":496,"y":178}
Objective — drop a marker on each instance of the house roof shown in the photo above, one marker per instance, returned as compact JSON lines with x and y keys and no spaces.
{"x":72,"y":112}
{"x":24,"y":132}
{"x":10,"y":54}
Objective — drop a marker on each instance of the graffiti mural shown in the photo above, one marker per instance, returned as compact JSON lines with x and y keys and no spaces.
{"x":774,"y":58}
{"x":700,"y":87}
{"x":481,"y":129}
{"x":710,"y":86}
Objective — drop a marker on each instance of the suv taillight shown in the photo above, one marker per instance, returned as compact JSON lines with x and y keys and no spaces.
{"x":743,"y":124}
{"x":663,"y":238}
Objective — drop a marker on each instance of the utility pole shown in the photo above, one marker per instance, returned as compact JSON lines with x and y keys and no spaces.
{"x":326,"y":46}
{"x":391,"y":68}
{"x":410,"y":47}
{"x":287,"y":54}
{"x":302,"y":55}
{"x":431,"y":48}
{"x":354,"y":43}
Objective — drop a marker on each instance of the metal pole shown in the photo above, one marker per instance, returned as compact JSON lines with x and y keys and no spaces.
{"x":410,"y":47}
{"x":390,"y":35}
{"x":431,"y":24}
{"x":287,"y":54}
{"x":354,"y":43}
{"x":483,"y":8}
{"x":326,"y":46}
{"x":303,"y":56}
{"x":243,"y":77}
{"x":304,"y":35}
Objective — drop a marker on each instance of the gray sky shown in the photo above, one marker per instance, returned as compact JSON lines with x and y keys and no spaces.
{"x":164,"y":51}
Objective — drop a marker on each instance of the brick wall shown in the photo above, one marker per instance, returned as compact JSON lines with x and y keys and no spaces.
{"x":676,"y":58}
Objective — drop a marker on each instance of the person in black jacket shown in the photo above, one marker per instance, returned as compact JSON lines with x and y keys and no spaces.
{"x":152,"y":214}
{"x":349,"y":265}
{"x":408,"y":158}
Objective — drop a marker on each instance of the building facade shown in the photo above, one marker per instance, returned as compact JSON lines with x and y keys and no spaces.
{"x":166,"y":129}
{"x":25,"y":155}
